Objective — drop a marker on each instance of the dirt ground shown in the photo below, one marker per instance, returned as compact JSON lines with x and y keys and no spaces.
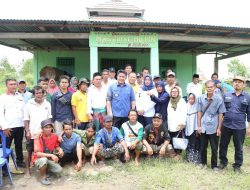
{"x":87,"y":179}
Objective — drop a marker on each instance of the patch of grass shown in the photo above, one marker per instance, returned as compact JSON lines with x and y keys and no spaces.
{"x":171,"y":174}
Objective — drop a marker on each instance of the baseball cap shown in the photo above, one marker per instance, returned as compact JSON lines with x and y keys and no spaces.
{"x":46,"y":122}
{"x":107,"y":118}
{"x":171,"y":73}
{"x":111,"y":69}
{"x":157,"y":115}
{"x":239,"y":78}
{"x":156,"y":76}
{"x":83,"y":80}
{"x":138,"y":75}
{"x":21,"y":80}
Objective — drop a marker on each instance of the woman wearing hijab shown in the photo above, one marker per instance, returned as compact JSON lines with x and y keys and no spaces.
{"x":177,"y":114}
{"x":144,"y":104}
{"x":73,"y":84}
{"x":161,"y":99}
{"x":193,"y":148}
{"x":52,"y":87}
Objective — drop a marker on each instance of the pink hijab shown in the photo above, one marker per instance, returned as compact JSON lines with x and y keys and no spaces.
{"x":52,"y":89}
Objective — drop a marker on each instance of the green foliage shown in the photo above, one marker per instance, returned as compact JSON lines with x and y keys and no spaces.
{"x":6,"y":70}
{"x":26,"y":72}
{"x":237,"y":68}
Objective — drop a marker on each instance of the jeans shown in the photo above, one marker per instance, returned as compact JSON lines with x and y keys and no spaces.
{"x":214,"y":141}
{"x":238,"y":140}
{"x":17,"y":135}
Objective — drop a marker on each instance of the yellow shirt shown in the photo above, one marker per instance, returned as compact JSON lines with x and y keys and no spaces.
{"x":79,"y":100}
{"x":135,"y":88}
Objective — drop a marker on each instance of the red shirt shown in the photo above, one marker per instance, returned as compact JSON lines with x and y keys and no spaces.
{"x":51,"y":143}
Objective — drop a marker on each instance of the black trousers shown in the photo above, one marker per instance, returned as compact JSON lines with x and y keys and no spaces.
{"x":68,"y":158}
{"x":238,"y":140}
{"x":118,"y":121}
{"x":17,"y":135}
{"x":214,"y":142}
{"x":194,"y":142}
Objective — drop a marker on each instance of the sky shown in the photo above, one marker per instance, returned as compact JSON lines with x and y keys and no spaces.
{"x":212,"y":12}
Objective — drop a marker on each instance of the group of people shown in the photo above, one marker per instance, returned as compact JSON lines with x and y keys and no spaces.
{"x":121,"y":117}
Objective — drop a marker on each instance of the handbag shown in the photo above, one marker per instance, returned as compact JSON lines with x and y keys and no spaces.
{"x":180,"y":143}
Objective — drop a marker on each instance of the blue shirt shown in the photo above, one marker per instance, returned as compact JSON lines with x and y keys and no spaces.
{"x":226,"y":87}
{"x":61,"y":106}
{"x":209,"y":121}
{"x":120,"y":97}
{"x":69,"y":145}
{"x":108,"y":139}
{"x":238,"y":108}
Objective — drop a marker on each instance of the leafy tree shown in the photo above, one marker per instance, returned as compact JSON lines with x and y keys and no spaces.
{"x":237,"y":68}
{"x":26,"y":72}
{"x":6,"y":70}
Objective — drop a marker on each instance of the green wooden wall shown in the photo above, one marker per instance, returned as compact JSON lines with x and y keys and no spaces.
{"x":185,"y":63}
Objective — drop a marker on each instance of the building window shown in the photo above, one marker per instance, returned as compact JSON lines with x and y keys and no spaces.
{"x":117,"y":63}
{"x":166,"y":64}
{"x":66,"y":64}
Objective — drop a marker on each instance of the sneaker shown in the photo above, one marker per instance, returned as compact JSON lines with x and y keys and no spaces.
{"x":45,"y":181}
{"x":222,"y":166}
{"x":216,"y":169}
{"x":238,"y":170}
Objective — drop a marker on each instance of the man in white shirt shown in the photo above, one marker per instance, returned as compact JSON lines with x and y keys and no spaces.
{"x":96,"y":101}
{"x":112,"y":74}
{"x":11,"y":118}
{"x":36,"y":110}
{"x":105,"y":78}
{"x":22,"y":90}
{"x":171,"y":82}
{"x":194,"y":87}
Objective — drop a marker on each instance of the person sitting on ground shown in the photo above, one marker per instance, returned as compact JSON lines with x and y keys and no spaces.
{"x":71,"y":146}
{"x":109,"y":142}
{"x":88,"y":140}
{"x":44,"y":147}
{"x":132,"y":131}
{"x":156,"y":138}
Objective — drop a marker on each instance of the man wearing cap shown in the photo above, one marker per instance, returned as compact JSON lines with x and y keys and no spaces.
{"x":171,"y":82}
{"x":44,"y":147}
{"x":139,"y":79}
{"x":79,"y":104}
{"x":120,"y":99}
{"x":61,"y":104}
{"x":156,"y":78}
{"x":21,"y":87}
{"x":36,"y":110}
{"x":112,"y":75}
{"x":156,"y":137}
{"x":132,"y":82}
{"x":234,"y":123}
{"x":11,"y":118}
{"x":194,"y":86}
{"x":96,"y":101}
{"x":109,"y":142}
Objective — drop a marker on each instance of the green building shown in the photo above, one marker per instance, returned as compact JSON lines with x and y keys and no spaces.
{"x":115,"y":34}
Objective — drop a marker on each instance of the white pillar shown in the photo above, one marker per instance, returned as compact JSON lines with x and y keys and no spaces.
{"x":93,"y":60}
{"x":154,"y":61}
